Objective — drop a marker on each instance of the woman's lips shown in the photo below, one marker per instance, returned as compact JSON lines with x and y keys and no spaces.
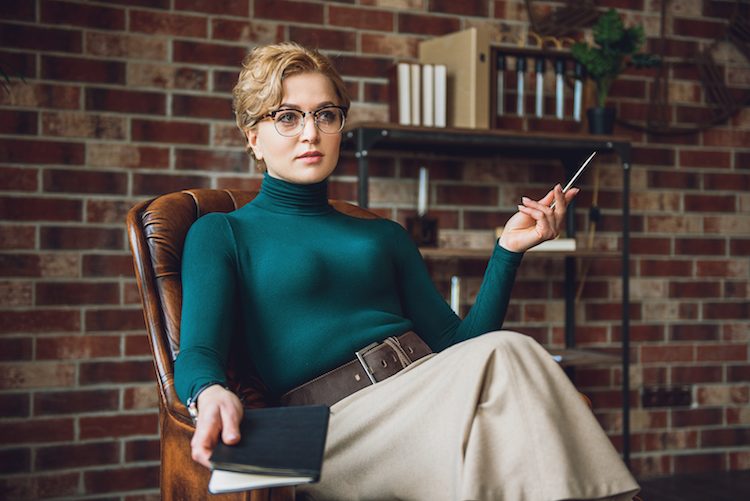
{"x":310,"y":156}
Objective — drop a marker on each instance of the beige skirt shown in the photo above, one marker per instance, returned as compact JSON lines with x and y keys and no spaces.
{"x":492,"y":418}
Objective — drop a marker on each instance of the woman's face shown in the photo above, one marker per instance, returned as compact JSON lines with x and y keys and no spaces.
{"x":311,"y":156}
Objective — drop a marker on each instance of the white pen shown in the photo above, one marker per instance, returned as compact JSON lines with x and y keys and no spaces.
{"x":575,"y":176}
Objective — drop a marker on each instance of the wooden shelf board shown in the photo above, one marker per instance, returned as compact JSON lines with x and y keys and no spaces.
{"x":578,"y":357}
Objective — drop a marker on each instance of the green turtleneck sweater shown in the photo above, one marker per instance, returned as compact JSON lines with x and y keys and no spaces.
{"x":307,"y":286}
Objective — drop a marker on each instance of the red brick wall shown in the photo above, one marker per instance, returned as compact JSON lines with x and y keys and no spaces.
{"x":123,"y":100}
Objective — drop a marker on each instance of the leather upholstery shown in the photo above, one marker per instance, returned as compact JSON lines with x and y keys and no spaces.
{"x":156,"y":232}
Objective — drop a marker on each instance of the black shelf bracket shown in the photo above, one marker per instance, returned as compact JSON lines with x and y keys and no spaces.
{"x":571,"y":162}
{"x":364,"y":140}
{"x":624,"y":152}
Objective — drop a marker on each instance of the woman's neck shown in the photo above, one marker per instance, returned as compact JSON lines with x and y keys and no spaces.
{"x":277,"y":195}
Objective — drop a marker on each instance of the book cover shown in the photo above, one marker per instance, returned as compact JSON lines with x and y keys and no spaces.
{"x":556,"y":244}
{"x":278,"y":446}
{"x":441,"y":95}
{"x":466,"y":55}
{"x":428,"y":99}
{"x":400,"y":94}
{"x":416,"y":94}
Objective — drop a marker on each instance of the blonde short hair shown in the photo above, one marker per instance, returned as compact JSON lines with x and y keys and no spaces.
{"x":259,"y":88}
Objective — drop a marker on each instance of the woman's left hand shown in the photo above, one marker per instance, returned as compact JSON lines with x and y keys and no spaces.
{"x":535,"y":221}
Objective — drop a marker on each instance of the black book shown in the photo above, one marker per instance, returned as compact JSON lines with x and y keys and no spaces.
{"x":278,"y":446}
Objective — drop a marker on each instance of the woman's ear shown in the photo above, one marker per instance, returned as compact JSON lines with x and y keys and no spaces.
{"x":252,"y":142}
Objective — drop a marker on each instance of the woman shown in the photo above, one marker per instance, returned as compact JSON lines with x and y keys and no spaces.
{"x":489,"y":416}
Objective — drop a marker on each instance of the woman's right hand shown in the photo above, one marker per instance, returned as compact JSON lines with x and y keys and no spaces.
{"x":219,"y":413}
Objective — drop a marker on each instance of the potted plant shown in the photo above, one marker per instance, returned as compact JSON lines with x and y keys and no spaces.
{"x":617,"y":48}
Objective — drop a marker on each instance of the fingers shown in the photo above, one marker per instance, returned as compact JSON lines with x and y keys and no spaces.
{"x":571,"y":194}
{"x":534,"y":209}
{"x":536,"y":221}
{"x":206,"y":436}
{"x":562,"y":199}
{"x":230,"y":423}
{"x":544,"y":217}
{"x":547,"y":215}
{"x":542,"y":207}
{"x":559,"y":198}
{"x":556,"y":194}
{"x":547,"y":199}
{"x":219,"y":415}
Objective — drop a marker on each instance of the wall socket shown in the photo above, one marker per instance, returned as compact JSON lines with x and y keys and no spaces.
{"x":667,"y":396}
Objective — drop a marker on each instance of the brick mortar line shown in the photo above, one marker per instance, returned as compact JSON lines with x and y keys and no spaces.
{"x":87,"y":468}
{"x":65,"y":252}
{"x":79,"y":224}
{"x":92,"y":57}
{"x":93,"y":440}
{"x":121,"y":411}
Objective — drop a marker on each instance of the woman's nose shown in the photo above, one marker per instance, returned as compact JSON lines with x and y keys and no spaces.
{"x":310,"y":131}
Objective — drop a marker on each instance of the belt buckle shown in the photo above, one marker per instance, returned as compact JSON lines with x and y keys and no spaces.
{"x":359,"y":354}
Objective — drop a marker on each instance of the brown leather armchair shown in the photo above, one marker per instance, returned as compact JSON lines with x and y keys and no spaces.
{"x":156,"y":231}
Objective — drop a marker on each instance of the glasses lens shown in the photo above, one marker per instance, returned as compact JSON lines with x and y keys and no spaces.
{"x":329,"y":120}
{"x":288,"y":122}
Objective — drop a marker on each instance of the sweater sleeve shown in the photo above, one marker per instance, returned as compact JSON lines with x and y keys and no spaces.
{"x":208,"y":300}
{"x":432,"y":317}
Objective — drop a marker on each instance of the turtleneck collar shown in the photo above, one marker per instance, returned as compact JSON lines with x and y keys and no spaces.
{"x":277,"y":195}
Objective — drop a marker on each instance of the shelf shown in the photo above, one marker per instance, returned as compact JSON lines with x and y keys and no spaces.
{"x":568,"y":148}
{"x":360,"y":137}
{"x":438,"y":253}
{"x":570,"y":357}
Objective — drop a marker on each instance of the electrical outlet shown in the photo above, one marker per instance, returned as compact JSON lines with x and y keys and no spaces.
{"x":667,"y":396}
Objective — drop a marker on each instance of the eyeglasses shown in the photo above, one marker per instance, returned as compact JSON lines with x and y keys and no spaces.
{"x":290,"y":122}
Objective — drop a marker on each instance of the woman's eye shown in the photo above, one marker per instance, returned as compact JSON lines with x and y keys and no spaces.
{"x":327,"y":116}
{"x":287,"y":117}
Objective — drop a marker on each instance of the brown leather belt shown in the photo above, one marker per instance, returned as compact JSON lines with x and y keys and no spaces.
{"x":373,"y":363}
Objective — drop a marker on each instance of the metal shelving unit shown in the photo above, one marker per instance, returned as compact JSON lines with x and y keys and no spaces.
{"x":362,"y":138}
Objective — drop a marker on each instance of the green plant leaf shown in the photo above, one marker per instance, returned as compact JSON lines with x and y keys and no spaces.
{"x":616,"y":48}
{"x":608,"y":28}
{"x":631,"y":41}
